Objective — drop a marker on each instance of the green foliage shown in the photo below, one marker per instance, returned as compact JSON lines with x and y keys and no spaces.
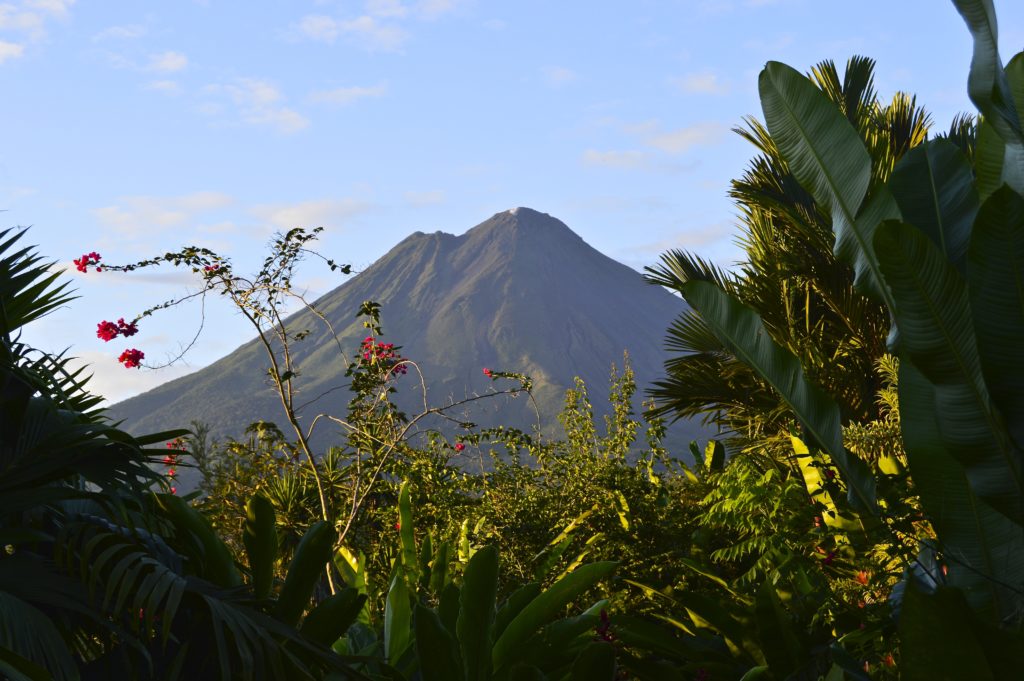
{"x":103,"y":576}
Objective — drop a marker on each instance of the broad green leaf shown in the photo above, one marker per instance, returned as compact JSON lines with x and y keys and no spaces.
{"x":259,"y":534}
{"x":476,"y":613}
{"x":555,"y":644}
{"x":513,"y":605}
{"x":779,"y":640}
{"x":439,"y":576}
{"x":308,"y":563}
{"x":987,"y":84}
{"x":544,"y":607}
{"x":714,"y":456}
{"x":708,"y":613}
{"x":741,"y":330}
{"x":984,"y":547}
{"x":937,"y":335}
{"x":989,"y":158}
{"x":218,"y":565}
{"x":397,"y":620}
{"x":436,"y":649}
{"x":594,"y":663}
{"x":934,"y":187}
{"x":826,"y":155}
{"x":996,"y":285}
{"x":405,"y":531}
{"x":329,"y":620}
{"x":937,"y":640}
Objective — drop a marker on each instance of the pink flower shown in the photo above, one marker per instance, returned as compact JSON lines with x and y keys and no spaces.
{"x":131,"y":359}
{"x":459,"y":446}
{"x":487,"y":373}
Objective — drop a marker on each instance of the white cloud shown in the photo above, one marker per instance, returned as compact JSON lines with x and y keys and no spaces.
{"x":705,"y":83}
{"x":55,"y":8}
{"x":256,"y":102}
{"x":132,"y":216}
{"x":431,"y":9}
{"x":682,"y":140}
{"x":366,"y":30}
{"x":167,"y":62}
{"x":690,"y":239}
{"x":427,"y":198}
{"x":115,"y":383}
{"x":127,"y":32}
{"x":386,"y":8}
{"x":628,"y":160}
{"x":168,"y":87}
{"x":343,"y":96}
{"x":556,"y":76}
{"x":10,"y":51}
{"x":25,"y":22}
{"x":316,"y":213}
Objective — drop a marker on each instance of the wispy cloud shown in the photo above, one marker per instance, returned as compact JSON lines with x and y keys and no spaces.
{"x":343,"y":96}
{"x":126,"y":32}
{"x":628,"y":160}
{"x":255,"y":102}
{"x":366,"y":30}
{"x":690,"y":238}
{"x":387,"y":8}
{"x":382,"y":26}
{"x":316,"y":213}
{"x":10,"y":51}
{"x":633,"y":160}
{"x":114,"y":383}
{"x":167,"y":62}
{"x":25,"y":22}
{"x":427,"y":198}
{"x":167,"y":87}
{"x":705,"y":83}
{"x":132,"y":216}
{"x":557,"y":76}
{"x":681,"y":140}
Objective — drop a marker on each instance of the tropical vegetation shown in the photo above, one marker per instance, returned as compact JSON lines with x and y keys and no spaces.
{"x":860,"y":516}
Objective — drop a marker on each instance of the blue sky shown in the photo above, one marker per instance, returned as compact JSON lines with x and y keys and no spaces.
{"x":133,"y":128}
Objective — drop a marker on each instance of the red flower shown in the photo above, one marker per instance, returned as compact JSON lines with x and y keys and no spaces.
{"x":398,"y":526}
{"x":211,"y":268}
{"x":82,"y":264}
{"x":126,"y":329}
{"x":132,"y":359}
{"x":174,"y":490}
{"x":487,"y":373}
{"x":107,"y":331}
{"x":862,"y":577}
{"x":459,"y":446}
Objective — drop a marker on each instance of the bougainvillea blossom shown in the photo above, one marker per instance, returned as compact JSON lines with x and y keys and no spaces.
{"x":82,"y":264}
{"x":132,"y":358}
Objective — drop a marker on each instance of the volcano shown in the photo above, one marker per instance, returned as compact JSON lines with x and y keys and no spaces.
{"x":520,"y":292}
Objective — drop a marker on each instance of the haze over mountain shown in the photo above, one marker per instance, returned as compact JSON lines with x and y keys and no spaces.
{"x":519,"y":292}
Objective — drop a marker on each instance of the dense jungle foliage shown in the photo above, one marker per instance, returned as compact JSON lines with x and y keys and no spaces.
{"x":860,"y":517}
